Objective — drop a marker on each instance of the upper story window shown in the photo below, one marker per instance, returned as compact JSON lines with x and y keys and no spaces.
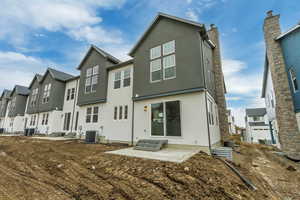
{"x":210,"y":113}
{"x":34,"y":96}
{"x":293,"y":76}
{"x":122,"y":77}
{"x":70,"y":94}
{"x":46,"y":93}
{"x":163,"y":56}
{"x":91,"y":79}
{"x":13,"y":104}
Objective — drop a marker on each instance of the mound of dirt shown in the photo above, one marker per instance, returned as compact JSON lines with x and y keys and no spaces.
{"x":38,"y":169}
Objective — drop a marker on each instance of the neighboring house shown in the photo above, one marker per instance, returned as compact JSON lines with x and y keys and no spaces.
{"x":281,"y":82}
{"x":231,"y":123}
{"x":45,"y":105}
{"x":16,"y":109}
{"x":172,"y":89}
{"x":256,"y":127}
{"x":4,"y":99}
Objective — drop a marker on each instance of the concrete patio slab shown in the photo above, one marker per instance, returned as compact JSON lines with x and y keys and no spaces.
{"x":170,"y":154}
{"x":54,"y":138}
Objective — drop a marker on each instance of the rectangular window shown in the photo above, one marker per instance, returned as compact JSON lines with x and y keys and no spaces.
{"x":117,"y":81}
{"x":126,"y":112}
{"x":95,"y":114}
{"x":293,"y":76}
{"x":72,"y":93}
{"x":68,"y":94}
{"x":88,"y":115}
{"x":43,"y":119}
{"x":91,"y":80}
{"x":67,"y":121}
{"x":46,"y":94}
{"x":210,"y":113}
{"x":34,"y":95}
{"x":169,"y":48}
{"x":155,"y":52}
{"x":126,"y":80}
{"x":46,"y":119}
{"x":169,"y":67}
{"x":120,"y":112}
{"x":76,"y":121}
{"x":155,"y":68}
{"x":115,"y":113}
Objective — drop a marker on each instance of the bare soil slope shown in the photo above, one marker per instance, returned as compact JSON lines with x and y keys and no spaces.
{"x":37,"y":169}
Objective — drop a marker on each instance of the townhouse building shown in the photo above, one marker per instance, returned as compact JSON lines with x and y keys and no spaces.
{"x":257,"y":128}
{"x":280,"y":82}
{"x":173,"y":88}
{"x":4,"y":99}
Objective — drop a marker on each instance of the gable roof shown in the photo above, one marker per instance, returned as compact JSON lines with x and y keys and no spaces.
{"x":265,"y":77}
{"x":36,"y":76}
{"x":6,"y":93}
{"x":122,"y":64}
{"x":256,"y":111}
{"x":101,"y":52}
{"x":157,"y":18}
{"x":21,"y":90}
{"x":57,"y":75}
{"x":297,"y":27}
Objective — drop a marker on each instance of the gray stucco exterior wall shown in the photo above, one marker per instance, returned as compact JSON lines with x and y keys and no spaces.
{"x":3,"y":108}
{"x":189,"y":72}
{"x":34,"y":109}
{"x":208,"y":68}
{"x":93,"y":59}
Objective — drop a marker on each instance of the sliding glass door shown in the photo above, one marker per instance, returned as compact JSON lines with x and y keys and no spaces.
{"x":165,"y":119}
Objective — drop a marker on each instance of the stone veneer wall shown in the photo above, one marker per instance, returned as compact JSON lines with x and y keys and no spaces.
{"x":289,"y":135}
{"x":219,"y":82}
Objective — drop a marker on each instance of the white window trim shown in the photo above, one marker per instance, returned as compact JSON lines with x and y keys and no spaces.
{"x":161,"y":68}
{"x":292,"y":80}
{"x":156,"y":47}
{"x":163,"y":49}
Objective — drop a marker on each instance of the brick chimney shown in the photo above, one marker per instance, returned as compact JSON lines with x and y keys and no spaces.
{"x":219,"y":79}
{"x":289,"y":135}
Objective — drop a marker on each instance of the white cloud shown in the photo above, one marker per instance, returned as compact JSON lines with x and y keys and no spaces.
{"x":18,"y":18}
{"x":192,"y":15}
{"x":189,"y":1}
{"x":17,"y":68}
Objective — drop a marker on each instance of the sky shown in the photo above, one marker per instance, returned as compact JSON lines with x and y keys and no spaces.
{"x":36,"y":34}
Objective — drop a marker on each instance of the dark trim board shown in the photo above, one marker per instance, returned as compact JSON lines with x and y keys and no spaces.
{"x":92,"y":102}
{"x":169,"y":94}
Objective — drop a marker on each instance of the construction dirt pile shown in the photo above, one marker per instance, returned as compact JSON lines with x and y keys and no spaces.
{"x":38,"y":169}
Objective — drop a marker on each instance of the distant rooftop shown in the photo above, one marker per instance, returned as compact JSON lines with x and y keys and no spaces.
{"x":256,"y":111}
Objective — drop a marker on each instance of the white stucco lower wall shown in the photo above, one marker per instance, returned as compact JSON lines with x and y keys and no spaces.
{"x":257,"y":133}
{"x":193,"y":120}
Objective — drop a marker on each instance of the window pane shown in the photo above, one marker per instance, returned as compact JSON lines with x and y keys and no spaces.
{"x":117,"y":84}
{"x":170,"y":72}
{"x":89,"y":72}
{"x":169,"y":61}
{"x":95,"y":70}
{"x":155,"y":52}
{"x":95,"y":118}
{"x":126,"y":112}
{"x":96,"y":109}
{"x":94,"y":79}
{"x":117,"y":76}
{"x":120,"y":112}
{"x":173,"y":118}
{"x":115,"y":113}
{"x":89,"y":111}
{"x":94,"y":87}
{"x":155,"y":65}
{"x":127,"y":73}
{"x":88,"y":118}
{"x":126,"y":82}
{"x":156,"y":76}
{"x":87,"y":88}
{"x":88,"y":81}
{"x":169,"y":47}
{"x":157,"y":119}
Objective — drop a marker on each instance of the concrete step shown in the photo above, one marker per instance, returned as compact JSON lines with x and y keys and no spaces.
{"x":150,"y":145}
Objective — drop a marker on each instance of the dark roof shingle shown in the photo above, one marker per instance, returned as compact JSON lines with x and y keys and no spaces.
{"x":256,"y":111}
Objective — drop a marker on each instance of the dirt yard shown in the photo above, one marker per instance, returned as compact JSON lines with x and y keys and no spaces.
{"x":37,"y":169}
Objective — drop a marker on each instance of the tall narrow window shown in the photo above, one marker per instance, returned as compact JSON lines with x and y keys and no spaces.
{"x":46,"y":94}
{"x":155,"y":67}
{"x":72,"y":93}
{"x":91,"y":80}
{"x":67,"y":121}
{"x":126,"y":80}
{"x":169,"y":48}
{"x":76,"y":121}
{"x":169,"y":67}
{"x":115,"y":113}
{"x":210,"y":113}
{"x":43,"y":119}
{"x":126,"y":112}
{"x":120,"y":112}
{"x":68,"y":94}
{"x":293,"y":76}
{"x":88,"y":115}
{"x":46,"y":119}
{"x":33,"y":100}
{"x":117,"y":81}
{"x":95,"y":114}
